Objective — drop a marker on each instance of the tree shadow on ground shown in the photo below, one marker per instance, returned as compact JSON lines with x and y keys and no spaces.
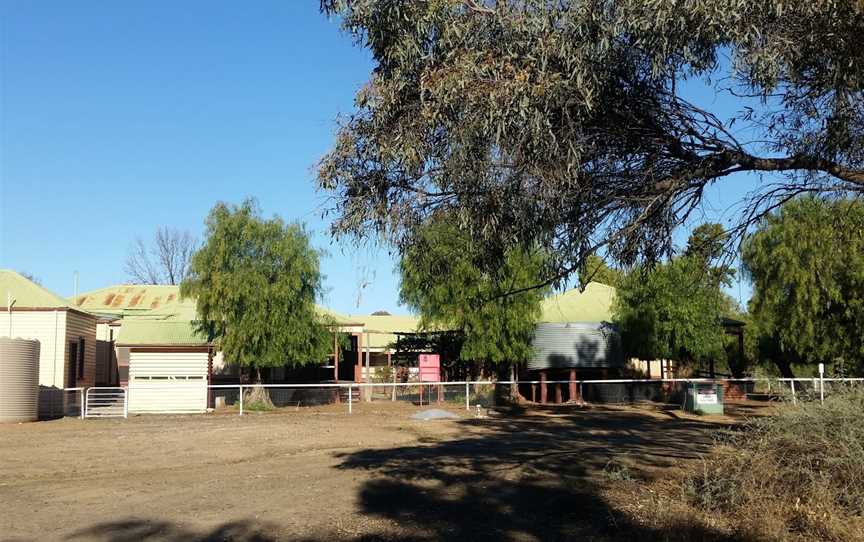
{"x":536,"y":476}
{"x":135,"y":530}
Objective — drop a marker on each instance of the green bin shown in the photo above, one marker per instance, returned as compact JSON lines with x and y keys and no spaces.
{"x":704,"y":398}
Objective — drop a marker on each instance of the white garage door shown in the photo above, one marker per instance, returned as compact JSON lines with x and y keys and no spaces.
{"x":167,"y":381}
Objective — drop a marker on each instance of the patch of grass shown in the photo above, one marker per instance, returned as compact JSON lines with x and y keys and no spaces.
{"x":258,"y":406}
{"x":616,"y":471}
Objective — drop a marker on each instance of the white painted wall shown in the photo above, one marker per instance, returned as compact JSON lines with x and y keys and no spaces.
{"x":49,"y":328}
{"x":167,"y":381}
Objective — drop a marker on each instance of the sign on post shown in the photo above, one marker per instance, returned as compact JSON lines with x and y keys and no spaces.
{"x":430,"y":371}
{"x":430,"y":368}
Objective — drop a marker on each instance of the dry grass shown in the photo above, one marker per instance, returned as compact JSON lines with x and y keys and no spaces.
{"x":798,"y":475}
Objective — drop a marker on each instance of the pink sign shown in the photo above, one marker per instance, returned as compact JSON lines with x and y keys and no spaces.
{"x":430,"y":368}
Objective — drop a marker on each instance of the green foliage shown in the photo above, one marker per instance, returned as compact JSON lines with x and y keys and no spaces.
{"x":595,"y":269}
{"x":566,"y":124}
{"x":443,"y":281}
{"x":256,"y":282}
{"x":806,"y":262}
{"x":673,"y":309}
{"x":706,"y":242}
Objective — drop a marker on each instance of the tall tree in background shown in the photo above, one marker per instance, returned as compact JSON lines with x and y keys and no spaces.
{"x":164,"y":261}
{"x":256,"y":282}
{"x":806,"y":262}
{"x":673,"y":310}
{"x":443,"y":281}
{"x":568,"y":125}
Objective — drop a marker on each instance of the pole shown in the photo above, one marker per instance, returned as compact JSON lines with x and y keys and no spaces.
{"x":83,"y":407}
{"x":822,"y":383}
{"x":125,"y":403}
{"x":241,"y":399}
{"x":794,"y":400}
{"x":9,"y":306}
{"x":467,"y":396}
{"x":350,"y":399}
{"x":368,"y":379}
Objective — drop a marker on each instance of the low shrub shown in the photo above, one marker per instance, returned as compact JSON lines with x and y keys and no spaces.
{"x":796,"y":475}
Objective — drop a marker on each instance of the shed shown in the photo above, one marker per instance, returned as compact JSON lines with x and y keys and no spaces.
{"x":170,"y":361}
{"x":66,"y":335}
{"x":574,"y":334}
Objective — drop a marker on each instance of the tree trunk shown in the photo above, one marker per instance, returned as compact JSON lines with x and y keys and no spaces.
{"x":258,"y":396}
{"x":514,"y":387}
{"x":785,"y":368}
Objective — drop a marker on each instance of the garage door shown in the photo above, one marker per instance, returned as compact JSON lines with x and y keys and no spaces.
{"x":167,"y":381}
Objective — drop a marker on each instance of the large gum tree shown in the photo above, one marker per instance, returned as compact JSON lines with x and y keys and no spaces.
{"x":567,"y":123}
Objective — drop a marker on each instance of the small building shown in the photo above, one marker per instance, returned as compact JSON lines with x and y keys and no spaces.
{"x":170,"y":363}
{"x":113,"y":305}
{"x":574,"y":339}
{"x":66,"y":335}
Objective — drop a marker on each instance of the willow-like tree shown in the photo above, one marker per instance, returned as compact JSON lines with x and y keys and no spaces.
{"x":673,"y":310}
{"x":568,"y":123}
{"x":443,"y":281}
{"x":256,"y":282}
{"x":806,"y":262}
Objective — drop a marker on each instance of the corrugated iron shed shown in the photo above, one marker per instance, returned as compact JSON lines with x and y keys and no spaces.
{"x":592,"y":305}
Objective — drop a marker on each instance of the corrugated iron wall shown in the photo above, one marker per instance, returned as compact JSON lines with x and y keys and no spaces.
{"x":579,"y":345}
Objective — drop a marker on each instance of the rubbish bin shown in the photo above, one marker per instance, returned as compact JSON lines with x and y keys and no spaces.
{"x":704,"y":398}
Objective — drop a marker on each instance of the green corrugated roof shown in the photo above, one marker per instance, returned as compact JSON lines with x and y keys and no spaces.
{"x":27,"y":293}
{"x":383,"y":328}
{"x":123,"y":299}
{"x":592,"y":305}
{"x":145,"y":331}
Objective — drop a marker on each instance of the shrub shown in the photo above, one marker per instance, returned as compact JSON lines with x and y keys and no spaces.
{"x":796,"y":475}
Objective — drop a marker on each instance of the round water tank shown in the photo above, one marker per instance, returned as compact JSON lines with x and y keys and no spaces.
{"x":575,"y":345}
{"x":19,"y":380}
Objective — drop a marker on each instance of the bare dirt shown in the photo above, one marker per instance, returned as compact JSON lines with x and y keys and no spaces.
{"x":322,"y":474}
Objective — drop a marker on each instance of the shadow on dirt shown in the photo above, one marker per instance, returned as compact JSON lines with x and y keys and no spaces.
{"x":134,"y":530}
{"x":538,"y":476}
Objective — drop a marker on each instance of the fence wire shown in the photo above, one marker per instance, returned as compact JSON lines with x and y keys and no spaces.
{"x":486,"y":394}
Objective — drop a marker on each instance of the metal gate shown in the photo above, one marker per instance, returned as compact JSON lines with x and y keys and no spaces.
{"x":106,"y":403}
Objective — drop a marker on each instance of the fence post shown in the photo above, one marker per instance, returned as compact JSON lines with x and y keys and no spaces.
{"x":82,"y":406}
{"x":467,"y":396}
{"x":350,"y":399}
{"x":241,"y":399}
{"x":822,"y":383}
{"x":125,"y":403}
{"x":794,"y":400}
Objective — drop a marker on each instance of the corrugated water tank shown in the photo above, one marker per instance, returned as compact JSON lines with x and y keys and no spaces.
{"x":19,"y":380}
{"x":579,"y":345}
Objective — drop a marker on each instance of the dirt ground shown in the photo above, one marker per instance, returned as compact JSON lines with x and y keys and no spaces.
{"x":321,"y":474}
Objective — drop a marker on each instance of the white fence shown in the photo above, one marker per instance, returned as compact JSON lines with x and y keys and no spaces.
{"x":466,"y":394}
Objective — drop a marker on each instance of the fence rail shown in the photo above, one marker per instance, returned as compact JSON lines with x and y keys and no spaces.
{"x":115,"y":402}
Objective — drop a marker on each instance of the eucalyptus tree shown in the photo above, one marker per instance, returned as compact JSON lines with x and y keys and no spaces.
{"x":806,"y":262}
{"x":255,"y":282}
{"x":568,"y":123}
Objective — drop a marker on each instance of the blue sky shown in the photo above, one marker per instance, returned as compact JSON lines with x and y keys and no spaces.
{"x":119,"y":117}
